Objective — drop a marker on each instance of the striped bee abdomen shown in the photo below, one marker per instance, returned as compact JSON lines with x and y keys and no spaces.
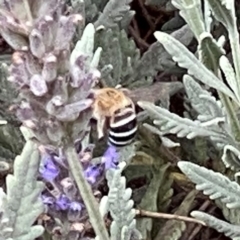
{"x":123,"y":127}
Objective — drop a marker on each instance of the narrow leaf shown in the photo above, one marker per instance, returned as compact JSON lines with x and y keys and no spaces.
{"x":187,"y":60}
{"x":209,"y":51}
{"x":229,"y":75}
{"x":190,"y":10}
{"x":199,"y":97}
{"x":228,"y":229}
{"x":223,"y":11}
{"x":85,"y":45}
{"x":23,"y":190}
{"x":231,"y":157}
{"x":213,"y":184}
{"x":182,"y":127}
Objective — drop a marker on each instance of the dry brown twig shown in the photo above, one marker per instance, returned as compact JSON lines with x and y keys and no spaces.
{"x":144,"y":213}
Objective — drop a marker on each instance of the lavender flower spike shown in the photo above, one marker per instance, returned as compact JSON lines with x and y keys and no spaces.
{"x":55,"y":84}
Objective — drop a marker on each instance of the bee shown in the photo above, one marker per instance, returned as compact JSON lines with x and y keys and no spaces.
{"x":113,"y":109}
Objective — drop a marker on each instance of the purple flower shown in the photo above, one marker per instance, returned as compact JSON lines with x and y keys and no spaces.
{"x":75,"y":206}
{"x":49,"y":201}
{"x":48,"y":169}
{"x":110,"y":158}
{"x":91,"y":173}
{"x":62,"y":203}
{"x":74,"y":211}
{"x":68,"y":187}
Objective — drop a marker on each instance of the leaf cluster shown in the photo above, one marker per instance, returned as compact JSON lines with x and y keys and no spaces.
{"x":23,"y":192}
{"x":217,"y":119}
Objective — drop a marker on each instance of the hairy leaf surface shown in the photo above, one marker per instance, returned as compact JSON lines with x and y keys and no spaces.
{"x":215,"y":185}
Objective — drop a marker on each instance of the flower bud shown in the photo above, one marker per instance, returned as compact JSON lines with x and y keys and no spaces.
{"x":18,"y":70}
{"x":36,"y":44}
{"x":74,"y":211}
{"x":69,"y":188}
{"x":78,"y":227}
{"x":45,"y":27}
{"x":66,"y":30}
{"x":78,"y":70}
{"x":63,"y":61}
{"x":24,"y":112}
{"x":32,"y":64}
{"x":68,"y":112}
{"x":54,"y":131}
{"x":38,"y":85}
{"x":49,"y":71}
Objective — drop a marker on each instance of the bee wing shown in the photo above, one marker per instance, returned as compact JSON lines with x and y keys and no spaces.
{"x":155,"y":92}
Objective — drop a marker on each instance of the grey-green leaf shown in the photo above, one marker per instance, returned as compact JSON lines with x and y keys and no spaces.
{"x":223,"y":11}
{"x":113,"y":13}
{"x":230,"y":230}
{"x":201,"y":100}
{"x":183,"y":127}
{"x":231,"y":157}
{"x":190,"y":10}
{"x":209,"y":51}
{"x":215,"y":185}
{"x":229,"y":75}
{"x":85,"y":45}
{"x":23,"y":191}
{"x":187,"y":60}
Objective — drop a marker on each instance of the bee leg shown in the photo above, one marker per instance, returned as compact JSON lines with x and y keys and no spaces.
{"x":126,"y":91}
{"x":100,"y":127}
{"x":118,"y":86}
{"x":112,"y":120}
{"x":133,"y":105}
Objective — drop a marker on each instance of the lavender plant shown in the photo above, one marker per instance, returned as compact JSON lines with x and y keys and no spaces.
{"x":54,"y":77}
{"x":217,"y":120}
{"x":54,"y":103}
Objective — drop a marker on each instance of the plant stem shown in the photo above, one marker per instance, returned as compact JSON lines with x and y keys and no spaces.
{"x":144,"y":213}
{"x":86,"y":193}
